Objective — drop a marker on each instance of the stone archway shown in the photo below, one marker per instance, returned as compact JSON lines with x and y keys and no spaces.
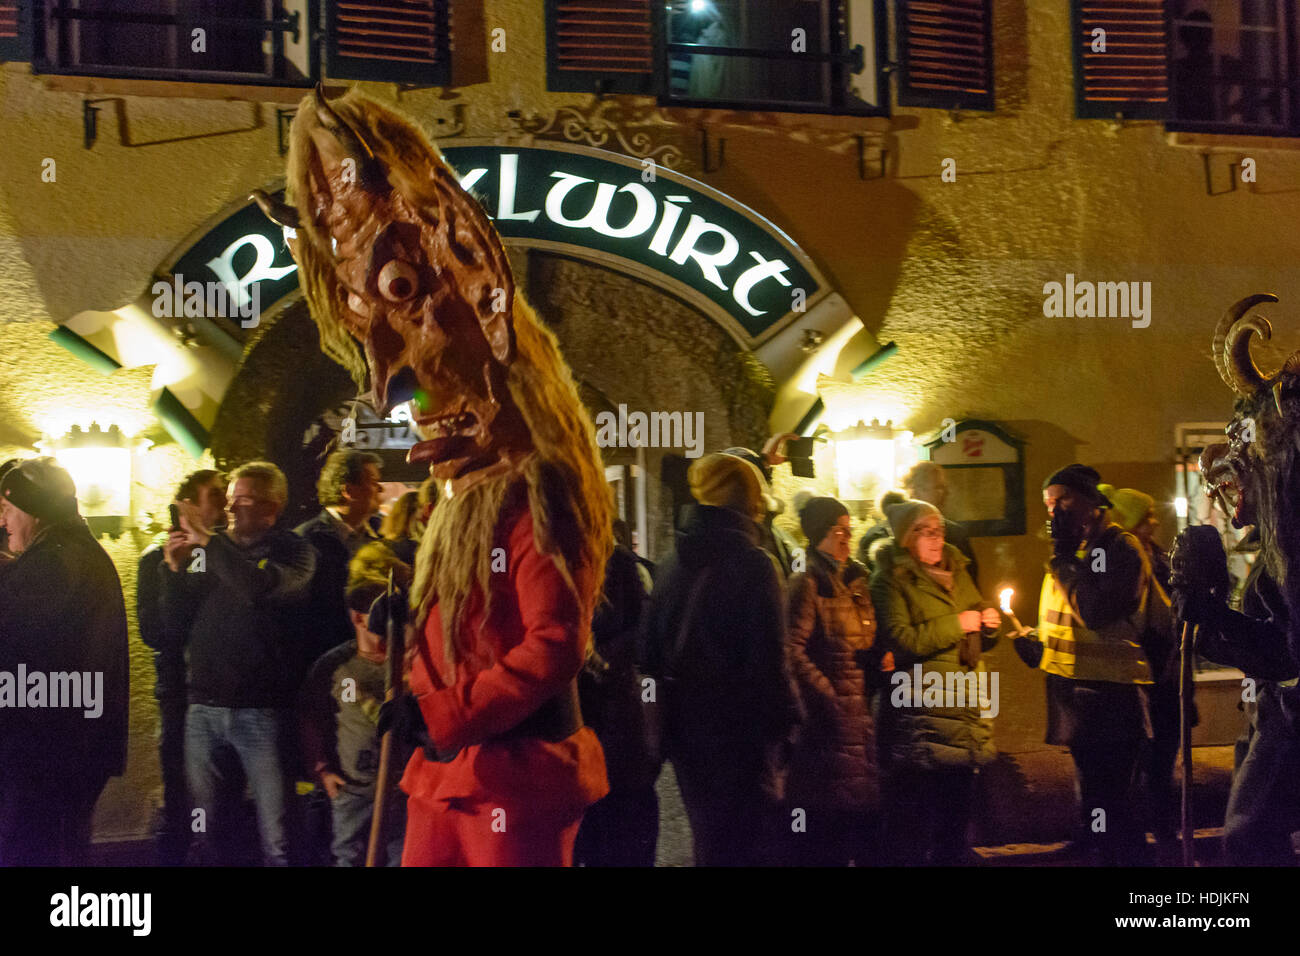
{"x":627,"y":342}
{"x":283,"y":384}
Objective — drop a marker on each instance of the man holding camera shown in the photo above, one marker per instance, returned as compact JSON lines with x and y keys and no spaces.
{"x":238,"y":597}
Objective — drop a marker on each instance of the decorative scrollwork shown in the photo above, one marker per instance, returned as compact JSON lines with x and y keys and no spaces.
{"x":607,"y":121}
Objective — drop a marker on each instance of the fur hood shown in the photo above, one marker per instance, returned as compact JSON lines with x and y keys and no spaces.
{"x":888,"y":558}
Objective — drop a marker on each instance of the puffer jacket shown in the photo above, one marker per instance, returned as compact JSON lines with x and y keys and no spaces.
{"x":917,"y":619}
{"x":830,"y":640}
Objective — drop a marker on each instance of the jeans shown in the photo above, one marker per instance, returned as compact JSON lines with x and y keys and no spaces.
{"x":259,"y":738}
{"x":352,"y":809}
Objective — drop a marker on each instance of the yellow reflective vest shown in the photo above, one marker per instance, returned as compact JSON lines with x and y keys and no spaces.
{"x":1073,"y":650}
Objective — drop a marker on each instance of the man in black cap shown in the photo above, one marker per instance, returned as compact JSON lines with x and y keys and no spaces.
{"x":1092,"y":627}
{"x":63,"y":671}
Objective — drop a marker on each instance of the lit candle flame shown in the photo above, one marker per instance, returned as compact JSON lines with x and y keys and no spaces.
{"x":1004,"y":599}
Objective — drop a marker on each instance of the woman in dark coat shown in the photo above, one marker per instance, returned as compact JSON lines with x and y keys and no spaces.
{"x":830,"y":640}
{"x":714,"y":646}
{"x":930,"y":614}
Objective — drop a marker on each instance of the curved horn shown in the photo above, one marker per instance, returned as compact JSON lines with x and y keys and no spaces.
{"x":275,"y":210}
{"x":353,"y":143}
{"x":1246,"y":377}
{"x":1230,"y":318}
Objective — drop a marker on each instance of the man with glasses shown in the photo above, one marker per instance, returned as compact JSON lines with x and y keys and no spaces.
{"x":238,"y":596}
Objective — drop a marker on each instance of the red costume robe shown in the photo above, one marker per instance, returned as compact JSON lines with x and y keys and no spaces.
{"x":516,"y":802}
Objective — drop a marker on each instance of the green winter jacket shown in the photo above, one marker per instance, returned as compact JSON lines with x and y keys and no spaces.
{"x":917,"y":619}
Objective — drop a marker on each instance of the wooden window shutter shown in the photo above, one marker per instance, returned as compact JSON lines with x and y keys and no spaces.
{"x":15,"y":30}
{"x":945,"y":53}
{"x":397,"y":41}
{"x":1132,"y":76}
{"x":613,"y":46}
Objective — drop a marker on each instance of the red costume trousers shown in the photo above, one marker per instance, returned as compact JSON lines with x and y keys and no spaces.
{"x":460,"y":833}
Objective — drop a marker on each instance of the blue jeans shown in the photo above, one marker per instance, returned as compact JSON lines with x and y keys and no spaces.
{"x":352,"y":809}
{"x":258,"y":737}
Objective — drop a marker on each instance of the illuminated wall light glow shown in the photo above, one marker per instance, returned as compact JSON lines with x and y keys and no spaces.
{"x":1180,"y":506}
{"x":863,"y":466}
{"x":102,"y":477}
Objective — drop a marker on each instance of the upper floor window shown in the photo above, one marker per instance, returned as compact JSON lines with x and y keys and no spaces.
{"x":1200,"y":65}
{"x":233,"y":41}
{"x":807,"y":55}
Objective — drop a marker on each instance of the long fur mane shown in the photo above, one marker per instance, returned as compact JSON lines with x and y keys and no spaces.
{"x":563,"y":481}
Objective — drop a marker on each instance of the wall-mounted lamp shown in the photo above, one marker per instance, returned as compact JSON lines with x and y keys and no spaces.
{"x":867,"y":459}
{"x":99,"y":462}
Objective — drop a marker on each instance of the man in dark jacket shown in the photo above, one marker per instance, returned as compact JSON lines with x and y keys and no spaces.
{"x":238,"y":596}
{"x":349,"y":491}
{"x":63,"y":650}
{"x":714,"y":643}
{"x":206,"y":489}
{"x":1096,"y":583}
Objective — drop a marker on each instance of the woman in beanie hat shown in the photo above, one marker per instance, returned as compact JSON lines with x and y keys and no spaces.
{"x":714,"y":642}
{"x":61,"y":611}
{"x":930,"y":614}
{"x":831,"y":642}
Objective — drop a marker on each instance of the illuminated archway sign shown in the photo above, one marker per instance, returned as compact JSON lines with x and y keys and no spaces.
{"x":664,"y":228}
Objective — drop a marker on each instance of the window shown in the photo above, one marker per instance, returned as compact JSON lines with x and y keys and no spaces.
{"x":741,"y":54}
{"x":945,"y":54}
{"x":233,"y":41}
{"x":247,"y":41}
{"x":1233,"y":66}
{"x":1226,"y":66}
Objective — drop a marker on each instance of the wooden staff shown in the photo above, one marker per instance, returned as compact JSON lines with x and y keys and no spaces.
{"x":1185,"y":728}
{"x":392,"y":690}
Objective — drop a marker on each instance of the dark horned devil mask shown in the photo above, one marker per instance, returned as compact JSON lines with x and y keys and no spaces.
{"x":396,"y":257}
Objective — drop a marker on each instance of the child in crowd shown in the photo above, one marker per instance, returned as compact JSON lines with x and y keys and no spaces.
{"x":340,"y":714}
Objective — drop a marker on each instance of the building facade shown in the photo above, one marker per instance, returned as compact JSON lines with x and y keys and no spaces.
{"x":900,"y":200}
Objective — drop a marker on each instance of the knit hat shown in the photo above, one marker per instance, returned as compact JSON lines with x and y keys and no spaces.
{"x":726,"y":481}
{"x":774,"y":504}
{"x":903,"y":517}
{"x":1079,"y":478}
{"x":818,"y":516}
{"x":1128,"y":506}
{"x":41,"y":488}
